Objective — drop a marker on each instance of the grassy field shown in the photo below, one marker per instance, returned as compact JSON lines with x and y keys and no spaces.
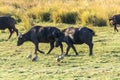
{"x":103,"y":65}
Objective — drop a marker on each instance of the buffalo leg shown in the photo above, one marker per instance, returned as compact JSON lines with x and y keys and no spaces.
{"x":16,"y":30}
{"x":61,"y":47}
{"x":41,"y":51}
{"x":36,"y":54}
{"x":35,"y":58}
{"x":36,"y":46}
{"x":115,"y":28}
{"x":51,"y":47}
{"x":36,"y":49}
{"x":73,"y":47}
{"x":68,"y":48}
{"x":11,"y":32}
{"x":90,"y":48}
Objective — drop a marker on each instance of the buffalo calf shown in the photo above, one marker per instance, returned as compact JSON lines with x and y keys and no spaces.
{"x":39,"y":34}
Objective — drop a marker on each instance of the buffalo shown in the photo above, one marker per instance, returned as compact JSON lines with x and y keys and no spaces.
{"x":114,"y":20}
{"x":78,"y":36}
{"x":39,"y":34}
{"x":8,"y":22}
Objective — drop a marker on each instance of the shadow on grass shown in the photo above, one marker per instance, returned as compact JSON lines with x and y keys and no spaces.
{"x":73,"y":55}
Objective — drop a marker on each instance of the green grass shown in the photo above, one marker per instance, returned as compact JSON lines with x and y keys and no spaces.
{"x":103,"y":65}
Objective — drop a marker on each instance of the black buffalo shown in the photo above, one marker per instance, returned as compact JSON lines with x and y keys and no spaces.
{"x":78,"y":36}
{"x":39,"y":34}
{"x":8,"y":22}
{"x":114,"y":20}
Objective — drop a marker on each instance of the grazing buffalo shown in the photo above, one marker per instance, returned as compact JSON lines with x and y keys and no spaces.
{"x":78,"y":36}
{"x":8,"y":22}
{"x":114,"y":20}
{"x":39,"y":34}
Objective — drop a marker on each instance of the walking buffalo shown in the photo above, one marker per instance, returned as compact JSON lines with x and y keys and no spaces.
{"x":39,"y":34}
{"x":8,"y":22}
{"x":78,"y":36}
{"x":114,"y":20}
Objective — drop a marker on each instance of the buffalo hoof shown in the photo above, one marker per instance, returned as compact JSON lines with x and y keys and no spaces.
{"x":35,"y":58}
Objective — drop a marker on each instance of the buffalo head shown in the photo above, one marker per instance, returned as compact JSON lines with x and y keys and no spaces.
{"x":21,"y":39}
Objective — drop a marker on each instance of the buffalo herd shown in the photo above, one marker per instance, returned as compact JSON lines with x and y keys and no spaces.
{"x":50,"y":34}
{"x":54,"y":36}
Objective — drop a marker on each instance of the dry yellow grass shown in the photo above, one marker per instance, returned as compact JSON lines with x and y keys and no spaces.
{"x":33,"y":11}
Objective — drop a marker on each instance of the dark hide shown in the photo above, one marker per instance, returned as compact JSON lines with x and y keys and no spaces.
{"x":8,"y":22}
{"x":78,"y":36}
{"x":114,"y":20}
{"x":39,"y":34}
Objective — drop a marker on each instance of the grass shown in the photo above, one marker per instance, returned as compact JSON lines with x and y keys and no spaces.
{"x":103,"y":65}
